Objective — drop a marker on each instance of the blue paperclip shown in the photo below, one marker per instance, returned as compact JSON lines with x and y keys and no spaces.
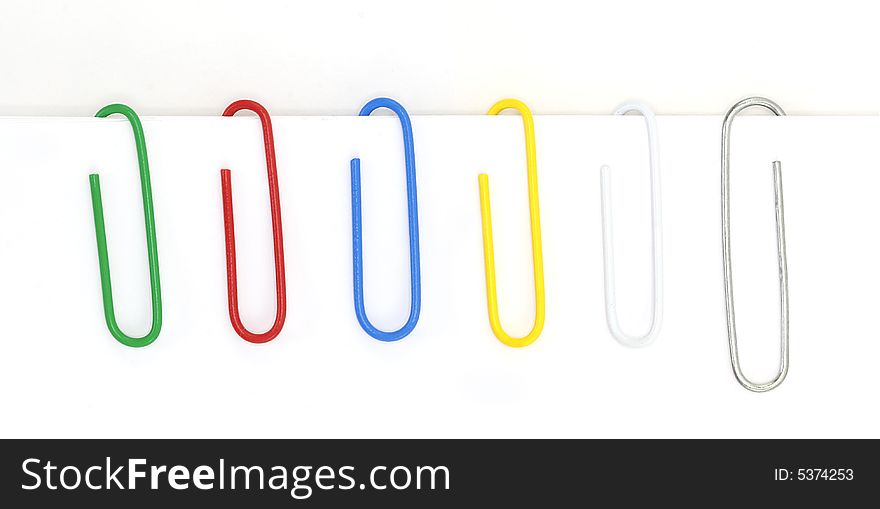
{"x":357,"y":228}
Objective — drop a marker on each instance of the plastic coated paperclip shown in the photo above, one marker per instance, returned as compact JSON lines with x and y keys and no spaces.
{"x":277,"y":238}
{"x":149,"y":226}
{"x":412,"y":212}
{"x":780,"y":250}
{"x":535,"y":221}
{"x":656,"y":240}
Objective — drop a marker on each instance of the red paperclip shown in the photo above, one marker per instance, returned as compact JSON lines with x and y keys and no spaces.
{"x":229,"y":225}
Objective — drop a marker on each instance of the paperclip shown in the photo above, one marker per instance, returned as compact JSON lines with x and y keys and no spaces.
{"x":149,"y":226}
{"x":277,"y":238}
{"x":413,"y":214}
{"x":656,"y":240}
{"x":535,"y":222}
{"x":780,"y":250}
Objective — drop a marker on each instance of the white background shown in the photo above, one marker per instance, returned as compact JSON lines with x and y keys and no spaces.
{"x":63,"y":375}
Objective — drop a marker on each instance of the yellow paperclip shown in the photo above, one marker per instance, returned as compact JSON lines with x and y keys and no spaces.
{"x":534,"y":219}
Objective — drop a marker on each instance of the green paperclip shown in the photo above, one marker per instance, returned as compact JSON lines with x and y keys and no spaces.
{"x":149,"y":224}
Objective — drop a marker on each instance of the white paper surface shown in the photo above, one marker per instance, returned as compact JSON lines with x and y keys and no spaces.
{"x":62,"y":374}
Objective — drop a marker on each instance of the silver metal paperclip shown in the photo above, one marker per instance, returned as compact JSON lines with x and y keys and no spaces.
{"x":780,"y":248}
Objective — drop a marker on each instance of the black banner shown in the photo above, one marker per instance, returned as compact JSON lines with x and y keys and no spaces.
{"x":410,"y":473}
